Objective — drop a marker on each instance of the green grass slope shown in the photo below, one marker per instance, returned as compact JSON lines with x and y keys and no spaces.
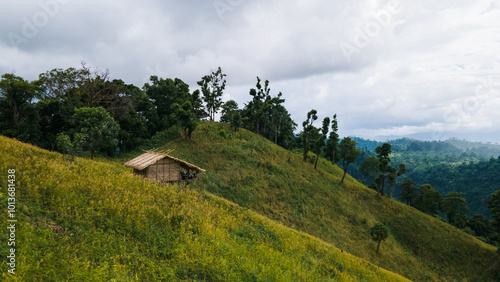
{"x":276,"y":183}
{"x":82,"y":220}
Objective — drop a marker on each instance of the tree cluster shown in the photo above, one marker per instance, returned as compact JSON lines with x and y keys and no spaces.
{"x":84,"y":111}
{"x":324,"y":141}
{"x":454,"y":205}
{"x":77,"y":110}
{"x":476,"y":180}
{"x":380,"y":170}
{"x":426,"y":197}
{"x":454,"y":165}
{"x":264,"y":114}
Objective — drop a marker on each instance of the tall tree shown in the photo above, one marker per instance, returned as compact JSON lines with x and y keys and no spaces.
{"x":236,"y":121}
{"x":455,"y":207}
{"x":369,"y":168}
{"x":163,"y":94}
{"x":267,"y":116}
{"x":186,"y":118}
{"x":197,"y":105}
{"x":494,"y":205}
{"x":259,"y":98}
{"x":286,"y":130}
{"x":481,"y":226}
{"x":131,"y":114}
{"x":392,"y":178}
{"x":277,"y":114}
{"x":98,"y":127}
{"x":333,"y":141}
{"x":408,"y":191}
{"x":428,"y":200}
{"x":59,"y":83}
{"x":97,"y":90}
{"x":348,"y":153}
{"x":308,"y":128}
{"x":54,"y":119}
{"x":384,"y":160}
{"x":18,"y":115}
{"x":62,"y":91}
{"x":228,"y":110}
{"x":212,"y":88}
{"x":320,"y":141}
{"x":379,"y":232}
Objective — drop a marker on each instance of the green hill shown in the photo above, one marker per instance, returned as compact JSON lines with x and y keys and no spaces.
{"x":82,"y":220}
{"x":486,"y":149}
{"x":453,"y":165}
{"x":257,"y":174}
{"x":477,"y":181}
{"x":453,"y":146}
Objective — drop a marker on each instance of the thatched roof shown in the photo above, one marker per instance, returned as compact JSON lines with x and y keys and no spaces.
{"x":149,"y":158}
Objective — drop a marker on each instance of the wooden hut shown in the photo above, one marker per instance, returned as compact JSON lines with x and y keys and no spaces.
{"x":164,"y":168}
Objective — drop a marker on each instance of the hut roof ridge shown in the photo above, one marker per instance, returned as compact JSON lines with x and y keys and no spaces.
{"x":151,"y":157}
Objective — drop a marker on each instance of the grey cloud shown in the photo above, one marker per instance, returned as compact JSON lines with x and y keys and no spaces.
{"x":403,"y":77}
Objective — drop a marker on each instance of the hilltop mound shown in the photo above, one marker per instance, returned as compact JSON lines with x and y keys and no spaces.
{"x":253,"y":172}
{"x":88,"y":220}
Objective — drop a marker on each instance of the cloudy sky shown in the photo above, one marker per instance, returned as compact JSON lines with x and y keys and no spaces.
{"x":427,"y":69}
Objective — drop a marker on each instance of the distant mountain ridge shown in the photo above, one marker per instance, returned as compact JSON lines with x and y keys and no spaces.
{"x":488,"y":148}
{"x":453,"y":165}
{"x":452,"y":145}
{"x":484,"y":137}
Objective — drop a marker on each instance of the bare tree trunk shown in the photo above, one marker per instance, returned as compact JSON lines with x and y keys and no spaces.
{"x":378,"y":246}
{"x":276,"y":134}
{"x":343,"y":176}
{"x":306,"y":150}
{"x":92,"y":155}
{"x":265,"y":125}
{"x":382,"y":186}
{"x":16,"y":114}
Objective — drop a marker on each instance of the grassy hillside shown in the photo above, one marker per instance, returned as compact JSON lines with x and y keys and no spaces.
{"x":255,"y":173}
{"x":80,"y":220}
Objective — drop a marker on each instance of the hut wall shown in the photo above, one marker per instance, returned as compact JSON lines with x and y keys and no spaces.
{"x":164,"y":170}
{"x":142,"y":173}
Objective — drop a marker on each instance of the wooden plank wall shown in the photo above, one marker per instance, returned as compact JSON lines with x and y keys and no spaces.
{"x":142,"y":173}
{"x":164,"y":170}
